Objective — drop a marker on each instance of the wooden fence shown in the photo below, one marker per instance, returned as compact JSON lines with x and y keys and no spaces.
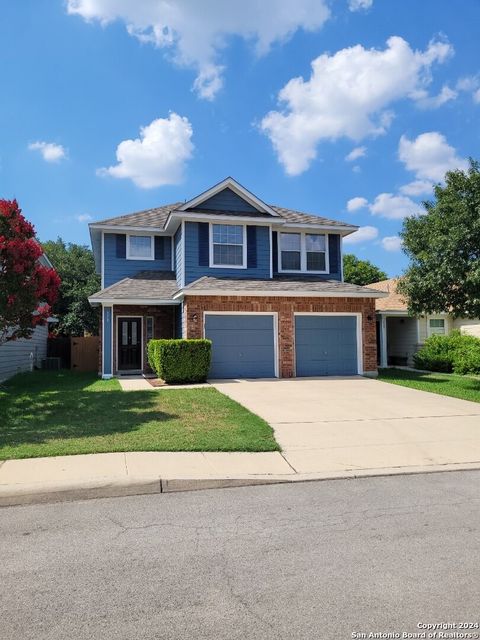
{"x":84,"y":353}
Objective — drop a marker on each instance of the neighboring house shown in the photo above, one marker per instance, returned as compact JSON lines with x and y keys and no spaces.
{"x":264,"y":283}
{"x":400,"y":335}
{"x":25,"y":354}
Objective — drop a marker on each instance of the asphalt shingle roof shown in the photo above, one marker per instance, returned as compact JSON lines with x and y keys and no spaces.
{"x":158,"y":216}
{"x":157,"y":285}
{"x":162,"y":285}
{"x":393,"y":301}
{"x":296,"y":284}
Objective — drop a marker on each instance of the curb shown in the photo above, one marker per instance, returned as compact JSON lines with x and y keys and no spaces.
{"x":31,"y":495}
{"x":34,"y":495}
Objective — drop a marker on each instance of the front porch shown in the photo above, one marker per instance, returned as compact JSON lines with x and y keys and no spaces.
{"x":125,"y":331}
{"x":397,"y":339}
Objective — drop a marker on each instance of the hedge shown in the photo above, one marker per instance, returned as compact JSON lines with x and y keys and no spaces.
{"x":180,"y":361}
{"x":457,"y":353}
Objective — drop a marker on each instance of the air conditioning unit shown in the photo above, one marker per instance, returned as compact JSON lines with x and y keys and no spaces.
{"x":52,"y":364}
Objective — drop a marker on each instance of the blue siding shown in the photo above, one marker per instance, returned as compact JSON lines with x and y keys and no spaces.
{"x":326,"y":345}
{"x":193,"y":270}
{"x":118,"y":268}
{"x":225,"y":200}
{"x":107,"y":341}
{"x":242,"y":346}
{"x":178,"y":257}
{"x":334,"y":258}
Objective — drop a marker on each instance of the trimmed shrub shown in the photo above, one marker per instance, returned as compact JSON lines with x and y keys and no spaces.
{"x":456,"y":353}
{"x":466,"y":359}
{"x":180,"y":361}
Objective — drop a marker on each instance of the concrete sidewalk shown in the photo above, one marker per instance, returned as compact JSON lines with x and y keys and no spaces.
{"x":78,"y":477}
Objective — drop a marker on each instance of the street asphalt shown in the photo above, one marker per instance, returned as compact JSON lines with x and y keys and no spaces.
{"x":320,"y":560}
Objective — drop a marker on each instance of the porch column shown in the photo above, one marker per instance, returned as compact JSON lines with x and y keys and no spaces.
{"x":107,"y":337}
{"x":383,"y":341}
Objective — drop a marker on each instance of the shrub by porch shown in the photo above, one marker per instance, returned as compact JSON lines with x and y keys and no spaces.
{"x":180,"y":361}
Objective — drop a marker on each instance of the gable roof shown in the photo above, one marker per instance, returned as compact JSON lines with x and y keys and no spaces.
{"x":158,"y":216}
{"x":393,"y":301}
{"x":234,"y":186}
{"x":209,"y":203}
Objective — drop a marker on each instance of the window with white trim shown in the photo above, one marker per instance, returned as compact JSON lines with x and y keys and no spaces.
{"x":436,"y":326}
{"x":305,"y":252}
{"x":140,"y":247}
{"x":227,"y":245}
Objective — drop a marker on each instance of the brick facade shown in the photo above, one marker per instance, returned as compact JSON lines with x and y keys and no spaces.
{"x":194,"y":307}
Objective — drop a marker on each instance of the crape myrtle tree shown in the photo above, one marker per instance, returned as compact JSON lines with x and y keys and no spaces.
{"x":444,"y":249}
{"x":27,"y":288}
{"x":361,"y":272}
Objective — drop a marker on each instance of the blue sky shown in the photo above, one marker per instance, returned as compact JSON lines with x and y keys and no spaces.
{"x":213,"y":86}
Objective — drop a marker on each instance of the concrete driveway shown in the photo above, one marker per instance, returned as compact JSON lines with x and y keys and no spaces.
{"x":328,"y":425}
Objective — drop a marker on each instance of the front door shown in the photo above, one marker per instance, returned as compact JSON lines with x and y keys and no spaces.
{"x":129,"y":344}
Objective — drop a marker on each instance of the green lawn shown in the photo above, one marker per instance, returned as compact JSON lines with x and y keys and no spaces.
{"x":62,"y":413}
{"x":445,"y":384}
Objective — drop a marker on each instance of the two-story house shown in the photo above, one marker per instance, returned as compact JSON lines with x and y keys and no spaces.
{"x":264,"y":283}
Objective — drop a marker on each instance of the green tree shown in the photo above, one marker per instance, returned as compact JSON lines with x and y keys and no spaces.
{"x":361,"y":272}
{"x":444,"y":249}
{"x":75,"y":265}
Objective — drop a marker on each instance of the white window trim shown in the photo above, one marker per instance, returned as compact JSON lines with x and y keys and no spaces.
{"x":273,"y":314}
{"x":434,"y":333}
{"x":143,"y":235}
{"x":359,"y":318}
{"x":303,"y":252}
{"x":210,"y":245}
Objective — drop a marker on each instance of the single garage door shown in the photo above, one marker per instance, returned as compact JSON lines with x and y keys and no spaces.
{"x":326,"y":345}
{"x":242,"y":345}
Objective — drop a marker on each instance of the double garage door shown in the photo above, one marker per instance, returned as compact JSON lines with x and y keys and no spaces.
{"x":245,"y":345}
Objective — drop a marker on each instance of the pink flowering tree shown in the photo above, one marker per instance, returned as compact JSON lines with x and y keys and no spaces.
{"x":27,"y":288}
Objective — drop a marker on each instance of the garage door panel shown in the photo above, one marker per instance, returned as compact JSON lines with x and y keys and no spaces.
{"x":238,"y":322}
{"x":243,"y":346}
{"x":243,"y":338}
{"x":326,"y":345}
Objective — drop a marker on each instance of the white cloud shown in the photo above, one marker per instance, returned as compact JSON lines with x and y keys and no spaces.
{"x":84,"y":217}
{"x":424,"y":101}
{"x":364,"y":234}
{"x":347,"y":95}
{"x":359,"y":5}
{"x":158,"y":156}
{"x":429,"y":156}
{"x":358,"y":152}
{"x":196,"y":32}
{"x":354,"y":204}
{"x":391,"y":243}
{"x":387,"y":205}
{"x":470,"y":84}
{"x":417,"y":188}
{"x":50,"y":151}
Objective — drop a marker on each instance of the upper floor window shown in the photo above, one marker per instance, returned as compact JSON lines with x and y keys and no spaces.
{"x":140,"y":247}
{"x":227,"y":246}
{"x":303,"y":252}
{"x":436,"y":326}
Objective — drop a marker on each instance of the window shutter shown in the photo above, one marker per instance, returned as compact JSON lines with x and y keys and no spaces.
{"x":334,"y":253}
{"x":121,"y":247}
{"x":275,"y":251}
{"x":252,"y":247}
{"x":159,"y":248}
{"x":203,"y":244}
